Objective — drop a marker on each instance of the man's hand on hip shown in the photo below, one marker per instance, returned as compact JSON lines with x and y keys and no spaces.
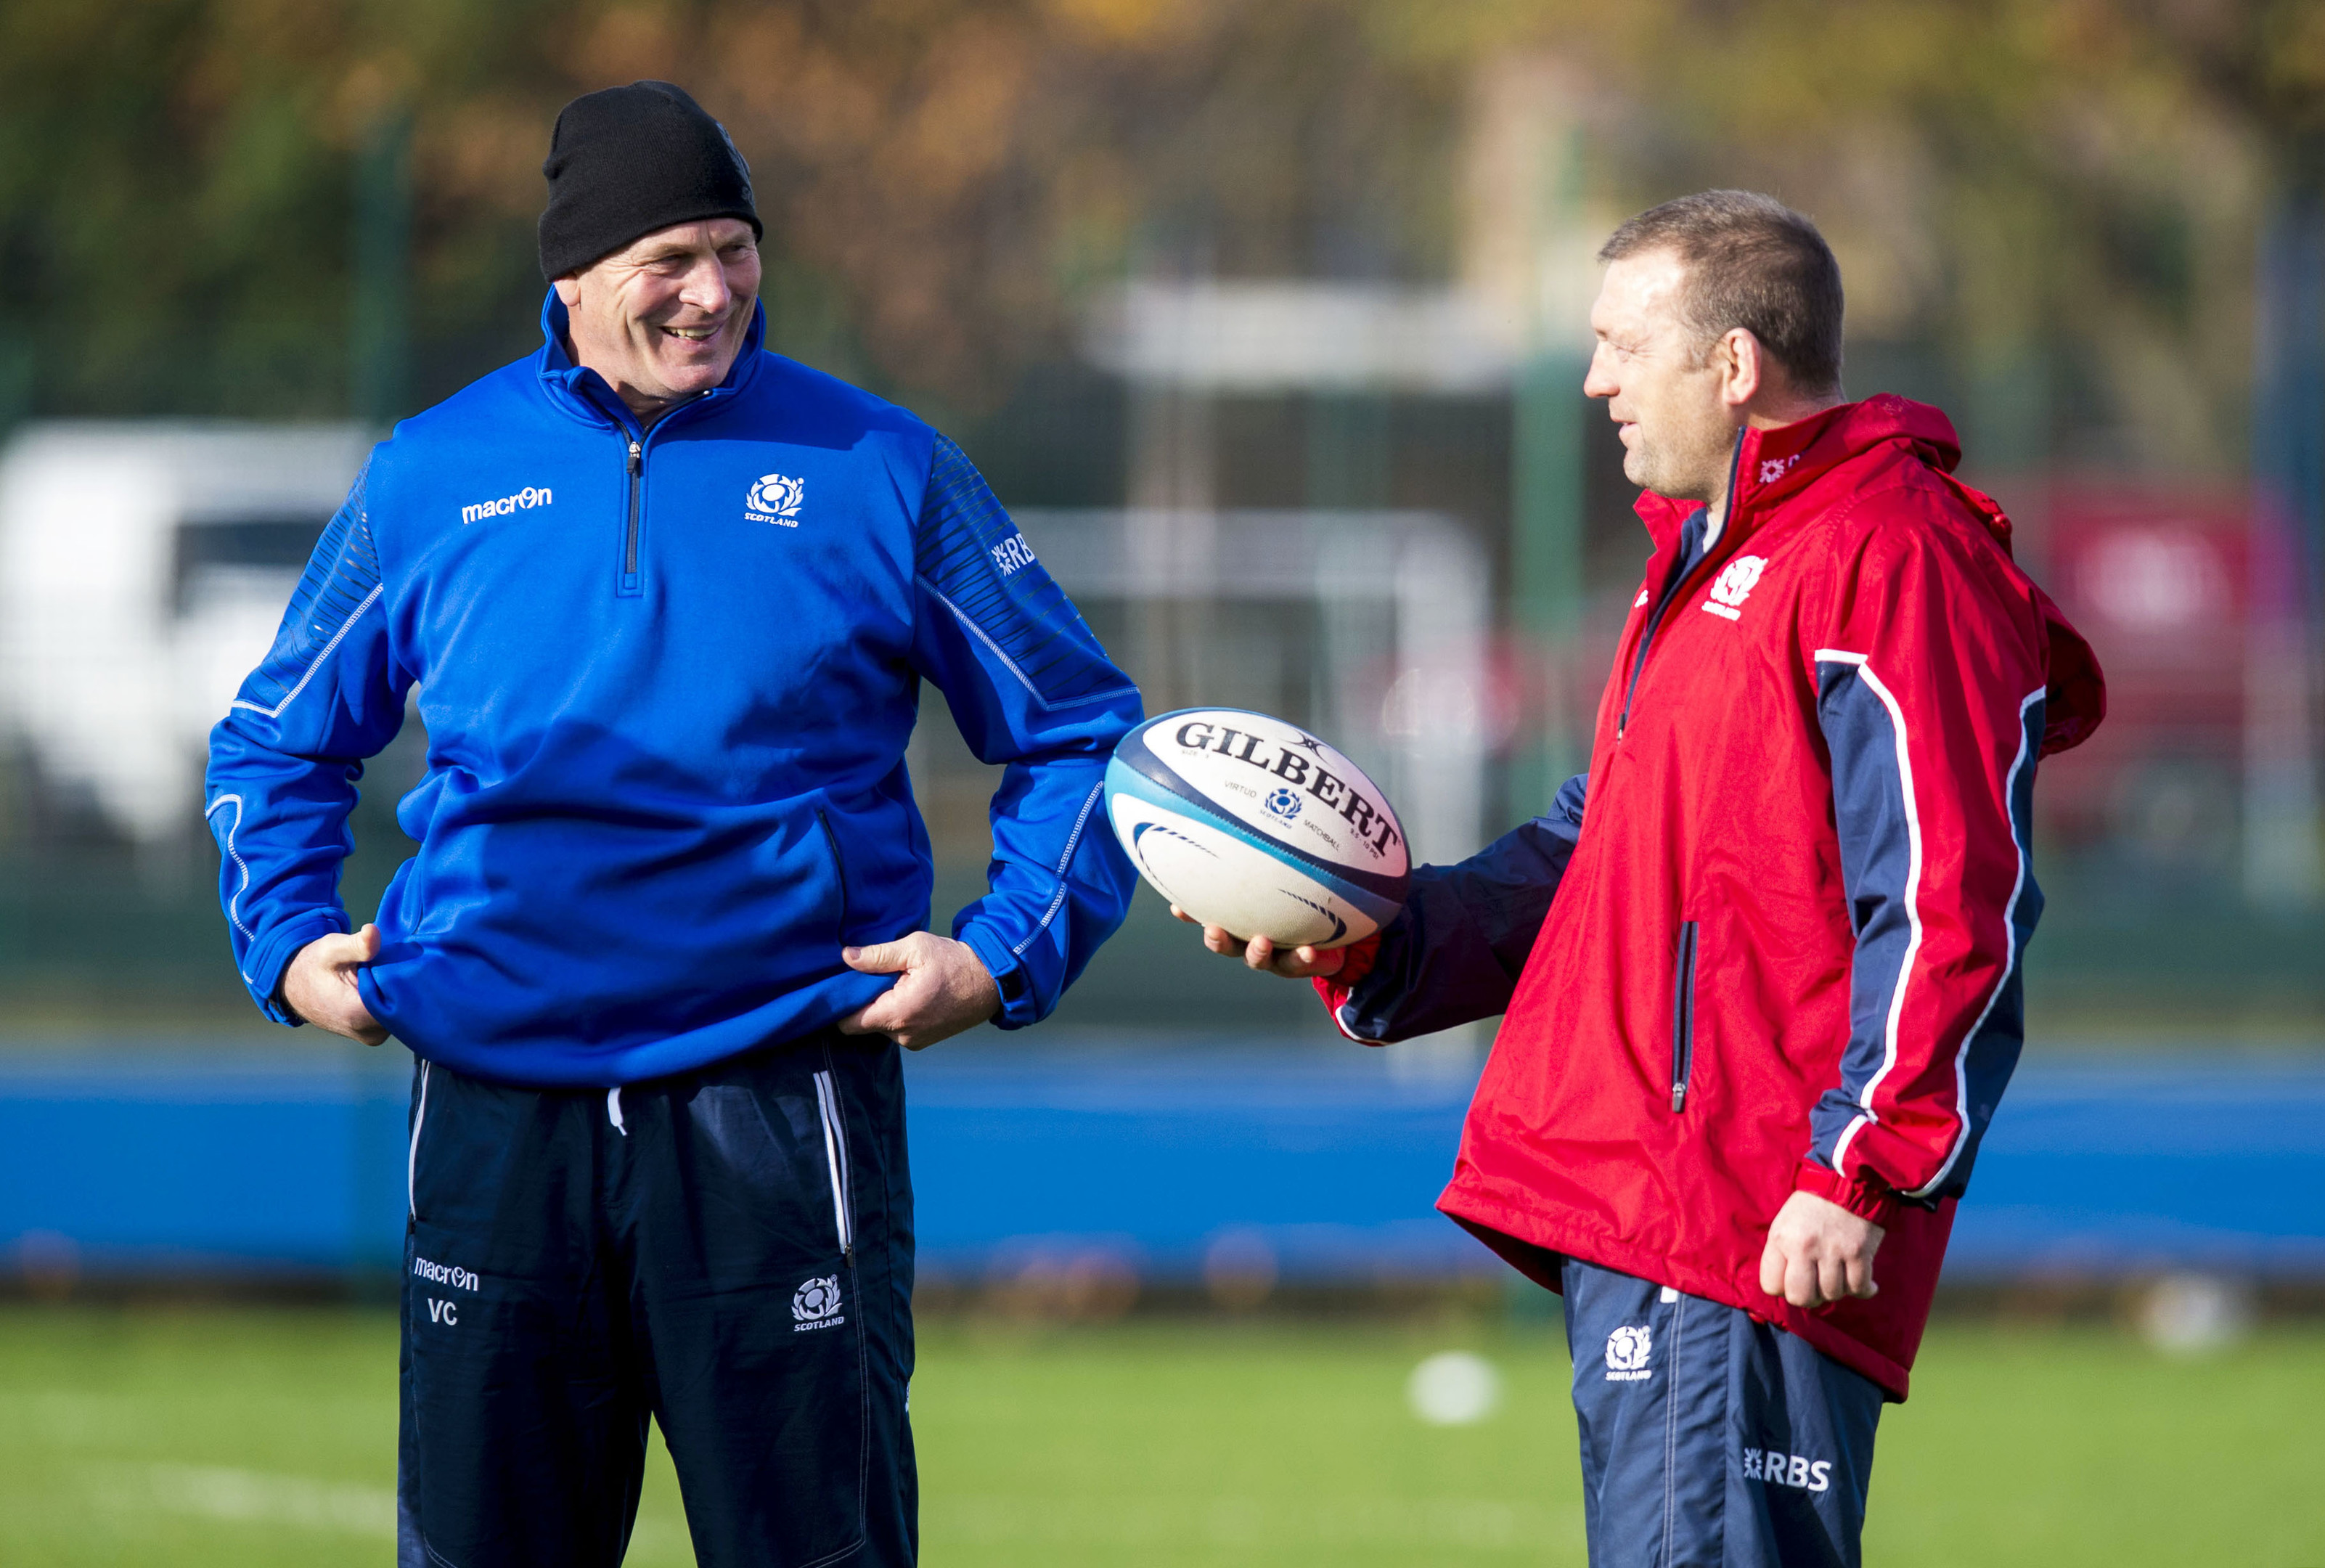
{"x":1819,"y":1253}
{"x":319,"y":985}
{"x":945,"y":989}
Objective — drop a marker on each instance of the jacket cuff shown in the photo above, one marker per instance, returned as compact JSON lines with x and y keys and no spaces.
{"x":1335,"y":988}
{"x":1865,"y":1195}
{"x":1019,"y":1004}
{"x":269,"y":958}
{"x":1361,"y":957}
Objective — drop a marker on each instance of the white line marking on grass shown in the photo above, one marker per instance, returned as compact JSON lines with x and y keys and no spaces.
{"x":1437,"y":1525}
{"x":254,"y":1497}
{"x":250,"y":1497}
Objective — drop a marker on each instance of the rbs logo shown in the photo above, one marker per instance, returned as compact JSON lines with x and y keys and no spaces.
{"x":1013,"y":554}
{"x":1788,"y":1469}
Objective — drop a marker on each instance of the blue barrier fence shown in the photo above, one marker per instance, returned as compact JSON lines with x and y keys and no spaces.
{"x":1327,"y":1164}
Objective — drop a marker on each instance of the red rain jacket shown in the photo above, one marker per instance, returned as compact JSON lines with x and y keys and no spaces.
{"x":1782,"y":950}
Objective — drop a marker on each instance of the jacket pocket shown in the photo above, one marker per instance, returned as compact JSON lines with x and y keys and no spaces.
{"x":839,"y":868}
{"x":1683,"y":1017}
{"x":835,"y":1160}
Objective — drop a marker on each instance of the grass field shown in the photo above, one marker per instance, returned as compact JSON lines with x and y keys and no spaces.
{"x":194,"y":1437}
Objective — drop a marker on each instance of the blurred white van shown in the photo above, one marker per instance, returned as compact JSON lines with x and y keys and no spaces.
{"x":144,"y":566}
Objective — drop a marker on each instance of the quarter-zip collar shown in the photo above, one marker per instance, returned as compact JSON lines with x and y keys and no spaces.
{"x":580,"y":393}
{"x":1776,"y":466}
{"x":1678,"y":561}
{"x":1772,"y":466}
{"x":1767,"y":468}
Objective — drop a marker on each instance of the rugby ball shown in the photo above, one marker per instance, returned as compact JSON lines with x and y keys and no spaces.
{"x":1247,"y":821}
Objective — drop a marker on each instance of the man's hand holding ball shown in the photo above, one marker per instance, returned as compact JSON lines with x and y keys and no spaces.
{"x":1299,"y":963}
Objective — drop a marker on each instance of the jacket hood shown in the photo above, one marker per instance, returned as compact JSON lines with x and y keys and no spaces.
{"x":1773,"y":466}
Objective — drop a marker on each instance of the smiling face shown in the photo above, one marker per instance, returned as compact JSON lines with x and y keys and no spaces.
{"x":1668,"y":394}
{"x":663,"y":317}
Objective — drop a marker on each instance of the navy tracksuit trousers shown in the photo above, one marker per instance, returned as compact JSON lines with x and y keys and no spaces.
{"x":1710,"y":1440}
{"x":728,"y":1252}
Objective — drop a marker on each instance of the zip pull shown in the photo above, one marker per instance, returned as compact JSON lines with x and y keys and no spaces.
{"x":637,"y":466}
{"x":1683,"y":1017}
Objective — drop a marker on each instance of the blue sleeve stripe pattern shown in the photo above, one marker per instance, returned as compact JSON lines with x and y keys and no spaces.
{"x":342,"y":580}
{"x":1880,"y":832}
{"x":1058,"y":899}
{"x":971,"y":557}
{"x":1989,"y":1052}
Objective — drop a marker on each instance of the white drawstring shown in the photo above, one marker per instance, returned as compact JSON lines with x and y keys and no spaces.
{"x":613,"y":1110}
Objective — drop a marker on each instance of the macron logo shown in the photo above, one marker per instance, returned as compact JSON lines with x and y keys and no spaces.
{"x":524,"y":500}
{"x":444,"y":1274}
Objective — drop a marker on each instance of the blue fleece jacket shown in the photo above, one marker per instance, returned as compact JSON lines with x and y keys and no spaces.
{"x":667,"y":676}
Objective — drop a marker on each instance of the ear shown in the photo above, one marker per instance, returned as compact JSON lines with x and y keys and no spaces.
{"x":1747,"y":368}
{"x":1743,"y":366}
{"x":569,"y":290}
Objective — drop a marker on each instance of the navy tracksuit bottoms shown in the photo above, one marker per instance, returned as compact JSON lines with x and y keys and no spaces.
{"x":728,"y":1252}
{"x":1710,"y":1440}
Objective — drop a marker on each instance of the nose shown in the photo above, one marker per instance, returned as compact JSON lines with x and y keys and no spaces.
{"x":1598,"y":381}
{"x":705,"y":288}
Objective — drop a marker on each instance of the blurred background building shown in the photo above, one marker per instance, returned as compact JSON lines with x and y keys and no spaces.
{"x":1322,"y":257}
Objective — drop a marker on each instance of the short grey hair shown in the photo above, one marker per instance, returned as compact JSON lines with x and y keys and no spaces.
{"x":1753,"y":263}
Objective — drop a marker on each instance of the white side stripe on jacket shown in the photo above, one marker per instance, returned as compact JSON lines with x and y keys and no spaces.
{"x":2009,"y":952}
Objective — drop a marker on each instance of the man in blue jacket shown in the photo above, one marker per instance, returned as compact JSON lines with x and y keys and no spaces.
{"x":666,"y":599}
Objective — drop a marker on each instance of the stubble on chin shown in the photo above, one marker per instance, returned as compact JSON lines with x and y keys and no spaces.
{"x":1685,"y":475}
{"x":1639,"y":467}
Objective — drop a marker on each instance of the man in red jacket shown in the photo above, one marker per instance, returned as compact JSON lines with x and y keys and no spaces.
{"x":1760,"y":966}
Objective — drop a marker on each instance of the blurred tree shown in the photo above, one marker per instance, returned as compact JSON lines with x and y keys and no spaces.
{"x":2061,"y":195}
{"x":2058,"y":196}
{"x":175,"y":188}
{"x":176,"y":176}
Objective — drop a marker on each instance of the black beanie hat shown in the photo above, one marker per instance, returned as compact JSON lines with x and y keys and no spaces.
{"x":630,"y":160}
